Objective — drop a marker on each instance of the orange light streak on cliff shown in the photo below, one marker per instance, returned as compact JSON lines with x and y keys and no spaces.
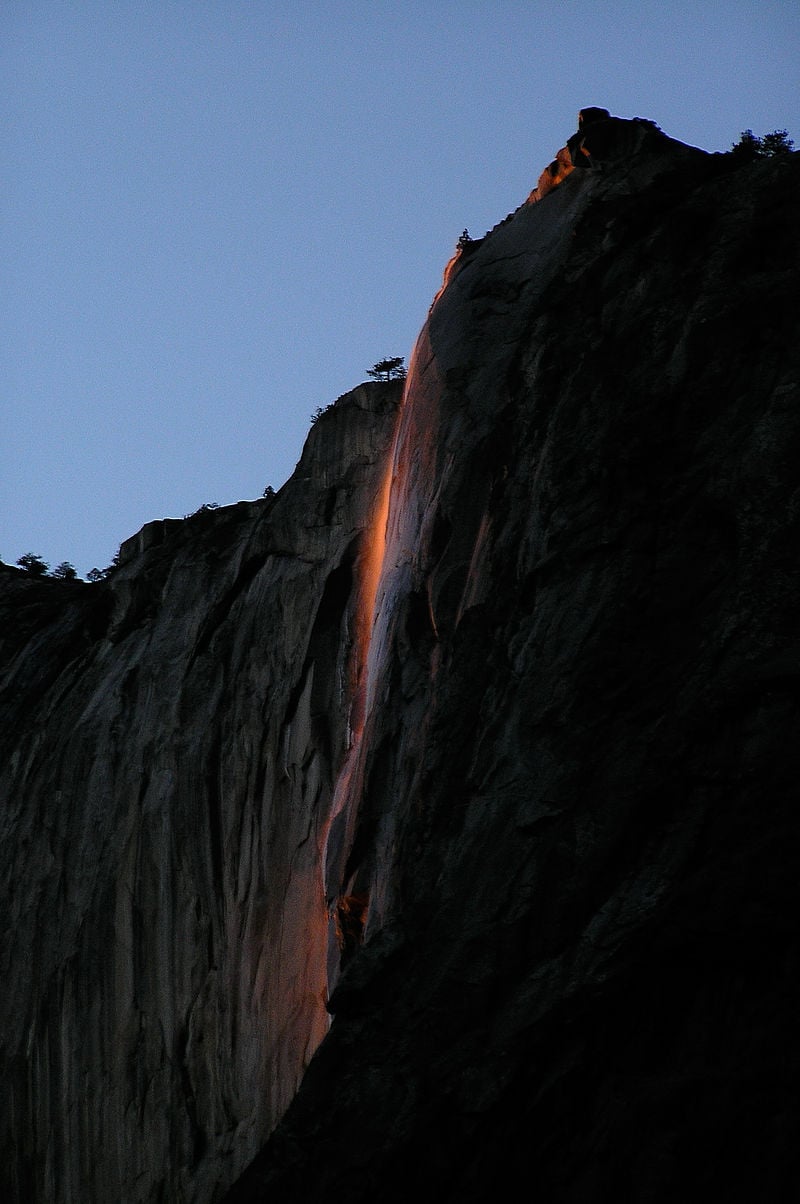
{"x":447,"y":275}
{"x":368,"y":569}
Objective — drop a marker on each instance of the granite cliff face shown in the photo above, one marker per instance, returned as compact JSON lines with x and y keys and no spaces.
{"x":481,"y":736}
{"x":170,"y":739}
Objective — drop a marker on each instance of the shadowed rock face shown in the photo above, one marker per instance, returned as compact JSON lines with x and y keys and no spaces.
{"x":528,"y":816}
{"x":169,"y":743}
{"x":577,"y":812}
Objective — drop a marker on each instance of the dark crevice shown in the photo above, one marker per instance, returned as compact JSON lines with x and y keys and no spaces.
{"x":220,"y":612}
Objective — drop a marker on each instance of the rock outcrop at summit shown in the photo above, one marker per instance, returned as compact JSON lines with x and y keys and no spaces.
{"x":497,"y":766}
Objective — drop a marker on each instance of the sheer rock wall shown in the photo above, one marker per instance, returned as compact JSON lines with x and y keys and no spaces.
{"x":529,"y":821}
{"x":575,"y":819}
{"x":169,"y":741}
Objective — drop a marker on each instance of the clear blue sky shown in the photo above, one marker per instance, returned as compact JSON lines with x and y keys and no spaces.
{"x":217,"y":216}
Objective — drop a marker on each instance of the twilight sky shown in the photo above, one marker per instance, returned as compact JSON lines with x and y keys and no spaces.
{"x":217,"y":214}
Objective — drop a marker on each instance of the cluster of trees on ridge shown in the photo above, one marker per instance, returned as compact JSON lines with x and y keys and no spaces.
{"x":769,"y":146}
{"x":37,"y":567}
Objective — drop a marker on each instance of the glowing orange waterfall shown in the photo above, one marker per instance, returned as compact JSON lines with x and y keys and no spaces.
{"x":369,"y":569}
{"x":447,"y":275}
{"x":383,"y":571}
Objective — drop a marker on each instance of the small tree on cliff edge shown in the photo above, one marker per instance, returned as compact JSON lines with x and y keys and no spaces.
{"x":388,"y":369}
{"x":33,"y":564}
